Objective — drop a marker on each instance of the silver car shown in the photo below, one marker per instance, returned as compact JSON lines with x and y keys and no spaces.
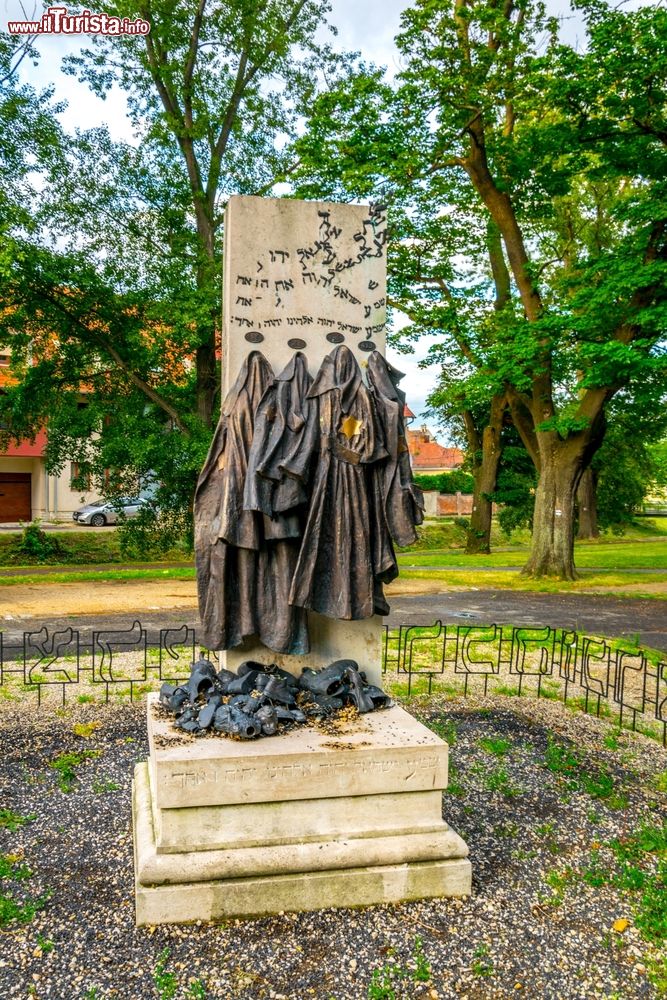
{"x":101,"y":512}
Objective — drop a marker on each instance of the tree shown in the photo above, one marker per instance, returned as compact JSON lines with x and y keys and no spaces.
{"x":626,"y":467}
{"x":490,"y":134}
{"x":114,"y":293}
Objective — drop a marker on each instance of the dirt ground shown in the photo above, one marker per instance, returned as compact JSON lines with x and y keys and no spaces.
{"x":91,"y":597}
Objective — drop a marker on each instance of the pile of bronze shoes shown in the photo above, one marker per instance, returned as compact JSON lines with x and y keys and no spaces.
{"x":260,"y":698}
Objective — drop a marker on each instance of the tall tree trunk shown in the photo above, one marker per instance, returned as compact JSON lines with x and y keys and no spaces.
{"x":552,"y":551}
{"x":208,"y":372}
{"x":560,"y":464}
{"x":587,"y":505}
{"x":486,"y":450}
{"x":208,"y":382}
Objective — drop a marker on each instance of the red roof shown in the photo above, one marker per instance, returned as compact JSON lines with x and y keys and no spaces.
{"x":27,"y":449}
{"x":426,"y":453}
{"x":24,"y":449}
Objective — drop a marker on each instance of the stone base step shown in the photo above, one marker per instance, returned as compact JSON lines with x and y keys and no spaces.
{"x":155,"y":868}
{"x":260,"y":895}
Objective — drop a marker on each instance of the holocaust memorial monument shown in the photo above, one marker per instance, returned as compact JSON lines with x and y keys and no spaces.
{"x":280,"y":776}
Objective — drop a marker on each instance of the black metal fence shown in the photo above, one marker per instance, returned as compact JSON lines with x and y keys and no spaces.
{"x":604,"y":676}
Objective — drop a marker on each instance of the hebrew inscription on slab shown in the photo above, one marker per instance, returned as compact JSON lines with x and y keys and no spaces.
{"x":303,"y":276}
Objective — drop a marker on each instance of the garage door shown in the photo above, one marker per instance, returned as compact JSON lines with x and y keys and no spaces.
{"x":15,"y":496}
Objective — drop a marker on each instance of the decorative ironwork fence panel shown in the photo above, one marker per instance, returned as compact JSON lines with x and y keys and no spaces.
{"x":602,"y":675}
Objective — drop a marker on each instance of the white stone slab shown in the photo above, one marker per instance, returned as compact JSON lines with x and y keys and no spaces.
{"x":274,"y":823}
{"x":301,"y":270}
{"x":382,"y":752}
{"x":329,"y":640}
{"x":154,"y":868}
{"x":261,"y":896}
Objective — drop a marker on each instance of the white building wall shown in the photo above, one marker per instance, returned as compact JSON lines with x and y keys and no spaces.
{"x":53,"y":499}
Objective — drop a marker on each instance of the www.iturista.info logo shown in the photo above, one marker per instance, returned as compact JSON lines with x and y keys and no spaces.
{"x":57,"y":21}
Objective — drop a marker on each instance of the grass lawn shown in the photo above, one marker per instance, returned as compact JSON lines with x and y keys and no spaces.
{"x":630,"y":554}
{"x":608,"y":563}
{"x":638,"y":584}
{"x":185,"y":572}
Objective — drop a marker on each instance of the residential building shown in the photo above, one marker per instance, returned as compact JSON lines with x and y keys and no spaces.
{"x":430,"y":457}
{"x":27,"y":491}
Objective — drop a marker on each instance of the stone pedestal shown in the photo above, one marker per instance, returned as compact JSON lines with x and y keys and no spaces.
{"x":299,"y":821}
{"x":303,"y":820}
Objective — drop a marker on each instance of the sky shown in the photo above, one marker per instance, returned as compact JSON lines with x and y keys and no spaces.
{"x":368,"y":26}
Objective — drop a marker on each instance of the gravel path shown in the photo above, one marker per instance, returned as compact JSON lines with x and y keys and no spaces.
{"x":538,"y":924}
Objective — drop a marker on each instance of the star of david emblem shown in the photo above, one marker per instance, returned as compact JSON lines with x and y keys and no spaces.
{"x":350,"y":426}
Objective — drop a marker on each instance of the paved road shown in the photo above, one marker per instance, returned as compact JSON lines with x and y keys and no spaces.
{"x":599,"y":615}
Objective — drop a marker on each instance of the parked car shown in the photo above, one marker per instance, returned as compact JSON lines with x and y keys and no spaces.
{"x":101,"y":512}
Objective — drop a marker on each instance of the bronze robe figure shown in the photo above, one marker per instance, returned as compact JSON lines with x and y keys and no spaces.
{"x":277,"y":473}
{"x":334,"y":574}
{"x":242,"y":575}
{"x":400,"y":502}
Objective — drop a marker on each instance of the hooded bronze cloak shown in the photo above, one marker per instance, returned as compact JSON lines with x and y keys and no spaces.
{"x":400,"y":503}
{"x":242,"y":579}
{"x":277,"y":471}
{"x":335,"y":570}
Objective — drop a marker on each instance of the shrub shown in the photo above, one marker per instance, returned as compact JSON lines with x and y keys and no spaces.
{"x":36,"y":545}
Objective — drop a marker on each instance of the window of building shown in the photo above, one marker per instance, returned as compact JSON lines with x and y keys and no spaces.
{"x":82,"y":478}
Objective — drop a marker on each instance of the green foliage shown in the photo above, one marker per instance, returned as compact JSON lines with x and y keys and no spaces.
{"x":36,"y":545}
{"x":196,"y":990}
{"x":558,"y":881}
{"x":651,"y":918}
{"x":515,"y":485}
{"x":454,"y":784}
{"x":165,"y":982}
{"x":11,"y":911}
{"x":444,"y":534}
{"x":45,"y":944}
{"x":570,"y":766}
{"x":422,"y":970}
{"x":105,"y":787}
{"x":657,"y":972}
{"x":498,"y":780}
{"x":495,"y":745}
{"x":547,"y":282}
{"x":12,"y":869}
{"x":13,"y":821}
{"x":79,"y":548}
{"x":624,"y":480}
{"x":482,"y":963}
{"x":65,"y":765}
{"x":446,"y":482}
{"x":115,"y":334}
{"x":386,"y":981}
{"x":444,"y":728}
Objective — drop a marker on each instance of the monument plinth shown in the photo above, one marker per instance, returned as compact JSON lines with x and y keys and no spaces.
{"x":299,"y":821}
{"x":304,"y":819}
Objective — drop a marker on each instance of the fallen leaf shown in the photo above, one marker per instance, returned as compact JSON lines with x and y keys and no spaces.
{"x":85,"y":729}
{"x":621,"y":924}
